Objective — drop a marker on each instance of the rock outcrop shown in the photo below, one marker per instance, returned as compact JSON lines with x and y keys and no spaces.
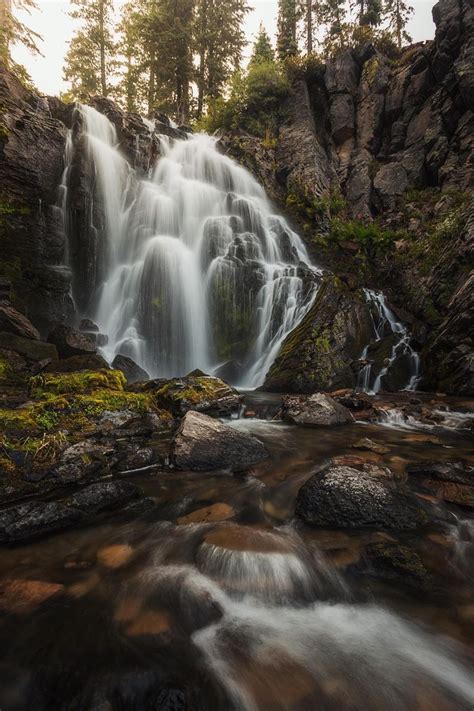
{"x":320,"y":353}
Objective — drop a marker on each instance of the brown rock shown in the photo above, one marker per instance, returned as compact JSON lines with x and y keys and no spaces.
{"x":22,"y":596}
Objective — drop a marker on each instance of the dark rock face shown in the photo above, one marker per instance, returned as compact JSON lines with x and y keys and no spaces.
{"x":318,"y":410}
{"x":70,"y":342}
{"x":344,"y":497}
{"x":204,"y":444}
{"x":130,"y":369}
{"x":32,"y":237}
{"x":319,"y":353}
{"x":32,"y":350}
{"x":92,"y":361}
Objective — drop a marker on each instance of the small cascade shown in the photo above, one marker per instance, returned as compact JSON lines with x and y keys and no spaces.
{"x":385,"y":324}
{"x":194,"y":268}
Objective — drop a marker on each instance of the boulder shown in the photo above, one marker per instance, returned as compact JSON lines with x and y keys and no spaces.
{"x":105,"y":495}
{"x":318,"y":410}
{"x":344,"y":497}
{"x":70,"y":342}
{"x":130,"y":369}
{"x":93,"y":361}
{"x":202,"y":393}
{"x":12,"y":321}
{"x":204,"y":444}
{"x":456,"y":472}
{"x":367,"y":444}
{"x":32,"y":350}
{"x":34,"y":519}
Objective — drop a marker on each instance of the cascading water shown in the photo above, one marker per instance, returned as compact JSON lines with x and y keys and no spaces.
{"x":197,"y":271}
{"x":383,"y":320}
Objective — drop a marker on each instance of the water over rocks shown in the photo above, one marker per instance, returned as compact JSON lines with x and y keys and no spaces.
{"x":203,"y":444}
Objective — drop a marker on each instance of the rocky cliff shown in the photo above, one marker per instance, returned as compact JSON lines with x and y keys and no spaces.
{"x":375,"y":163}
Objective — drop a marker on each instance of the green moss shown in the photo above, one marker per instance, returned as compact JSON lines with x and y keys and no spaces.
{"x":5,"y":369}
{"x":309,"y":206}
{"x":86,"y":381}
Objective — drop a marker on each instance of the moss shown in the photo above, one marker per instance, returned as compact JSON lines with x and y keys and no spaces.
{"x":7,"y":466}
{"x":86,"y":381}
{"x":201,"y":388}
{"x":5,"y":369}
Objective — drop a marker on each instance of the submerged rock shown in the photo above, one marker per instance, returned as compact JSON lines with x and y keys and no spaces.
{"x":132,"y":371}
{"x":368,"y":444}
{"x":318,"y":410}
{"x":204,"y":444}
{"x":394,"y":562}
{"x":344,"y":497}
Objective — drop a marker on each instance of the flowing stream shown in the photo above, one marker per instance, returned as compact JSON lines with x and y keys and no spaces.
{"x":197,"y":270}
{"x":217,"y":598}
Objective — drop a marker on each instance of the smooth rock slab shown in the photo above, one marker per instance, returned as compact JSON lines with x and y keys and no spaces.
{"x":343,"y":497}
{"x":318,"y":410}
{"x":204,"y":444}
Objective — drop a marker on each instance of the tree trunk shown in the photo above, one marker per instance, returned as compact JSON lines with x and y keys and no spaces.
{"x":103,"y":79}
{"x":309,"y":26}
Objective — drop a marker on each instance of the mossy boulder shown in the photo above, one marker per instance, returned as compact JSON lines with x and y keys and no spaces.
{"x":86,"y":381}
{"x":318,"y":354}
{"x":202,"y":393}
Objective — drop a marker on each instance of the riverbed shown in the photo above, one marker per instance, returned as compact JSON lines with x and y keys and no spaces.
{"x":218,"y":598}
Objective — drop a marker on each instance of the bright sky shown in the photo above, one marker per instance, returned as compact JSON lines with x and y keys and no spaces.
{"x":53,"y":23}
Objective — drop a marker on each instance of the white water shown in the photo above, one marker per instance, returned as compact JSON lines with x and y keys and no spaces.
{"x":386,"y":319}
{"x":197,"y":269}
{"x":258,"y":605}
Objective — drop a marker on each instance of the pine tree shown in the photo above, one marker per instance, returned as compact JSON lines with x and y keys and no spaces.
{"x":90,"y":60}
{"x":131,"y":88}
{"x":369,"y":12}
{"x":287,"y":45}
{"x":12,"y":31}
{"x":219,"y":40}
{"x":333,"y":14}
{"x":310,"y":12}
{"x":262,"y":52}
{"x":398,"y":14}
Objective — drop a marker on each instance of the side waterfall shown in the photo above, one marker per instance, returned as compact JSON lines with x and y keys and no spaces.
{"x":383,"y":321}
{"x":198,"y":272}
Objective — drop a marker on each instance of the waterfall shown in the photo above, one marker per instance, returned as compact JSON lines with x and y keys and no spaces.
{"x":196,"y":269}
{"x":383,"y":321}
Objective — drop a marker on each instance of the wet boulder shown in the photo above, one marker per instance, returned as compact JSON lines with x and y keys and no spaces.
{"x":132,"y":371}
{"x":344,"y":497}
{"x":70,"y":342}
{"x":33,"y":519}
{"x":204,"y":444}
{"x":318,"y":410}
{"x":452,"y":482}
{"x":105,"y":495}
{"x":401,"y":564}
{"x":12,"y":321}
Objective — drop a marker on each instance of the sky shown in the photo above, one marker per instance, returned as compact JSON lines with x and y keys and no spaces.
{"x":53,"y":23}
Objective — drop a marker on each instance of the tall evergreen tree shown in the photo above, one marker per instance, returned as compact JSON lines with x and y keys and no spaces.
{"x":333,"y":14}
{"x":131,"y":88}
{"x":90,"y":60}
{"x":12,"y":31}
{"x":219,"y":42}
{"x":398,"y":14}
{"x":310,"y":12}
{"x":287,"y":44}
{"x":369,"y":12}
{"x":262,"y":52}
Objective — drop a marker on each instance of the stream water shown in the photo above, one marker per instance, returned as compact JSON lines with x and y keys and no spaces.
{"x":218,"y":599}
